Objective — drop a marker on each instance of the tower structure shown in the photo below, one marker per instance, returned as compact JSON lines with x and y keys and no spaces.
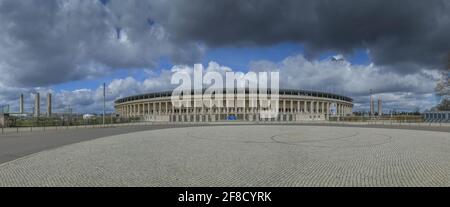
{"x":49,"y":104}
{"x":37,"y":105}
{"x":380,"y":107}
{"x":372,"y":106}
{"x":21,"y":104}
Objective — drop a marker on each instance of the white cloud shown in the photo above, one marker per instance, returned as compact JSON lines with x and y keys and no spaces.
{"x":400,"y":91}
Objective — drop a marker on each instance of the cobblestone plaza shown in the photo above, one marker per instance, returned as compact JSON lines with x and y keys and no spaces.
{"x":238,"y":155}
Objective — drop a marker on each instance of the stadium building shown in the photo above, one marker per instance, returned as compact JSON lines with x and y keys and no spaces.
{"x":294,"y":105}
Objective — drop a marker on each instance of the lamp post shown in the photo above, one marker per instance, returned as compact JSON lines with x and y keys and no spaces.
{"x":104,"y":102}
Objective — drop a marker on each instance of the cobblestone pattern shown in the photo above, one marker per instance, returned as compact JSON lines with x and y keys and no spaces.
{"x":243,"y":156}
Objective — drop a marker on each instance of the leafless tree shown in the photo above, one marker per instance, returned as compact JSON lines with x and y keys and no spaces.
{"x":443,"y":88}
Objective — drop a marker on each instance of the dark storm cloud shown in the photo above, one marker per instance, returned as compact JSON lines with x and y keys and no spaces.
{"x":403,"y":34}
{"x":44,"y":42}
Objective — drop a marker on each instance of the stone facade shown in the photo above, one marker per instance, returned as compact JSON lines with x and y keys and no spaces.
{"x":294,"y":105}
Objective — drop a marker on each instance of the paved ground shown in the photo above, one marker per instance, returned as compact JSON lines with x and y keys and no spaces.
{"x":14,"y":146}
{"x":243,"y":156}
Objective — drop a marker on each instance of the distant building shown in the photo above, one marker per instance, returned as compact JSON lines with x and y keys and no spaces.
{"x":88,"y":116}
{"x":380,"y":107}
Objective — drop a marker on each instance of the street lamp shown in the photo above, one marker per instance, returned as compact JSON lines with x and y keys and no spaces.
{"x":104,"y":102}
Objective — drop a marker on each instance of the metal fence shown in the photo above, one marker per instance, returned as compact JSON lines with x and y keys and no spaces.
{"x":18,"y":130}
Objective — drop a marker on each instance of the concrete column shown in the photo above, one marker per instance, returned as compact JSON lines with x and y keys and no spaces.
{"x":203,"y":113}
{"x":49,"y":104}
{"x":235,"y":105}
{"x":21,"y":104}
{"x":304,"y":106}
{"x":133,"y":110}
{"x":292,"y":107}
{"x":244,"y":109}
{"x":167,"y":107}
{"x":37,"y":105}
{"x":338,"y":109}
{"x":144,"y":108}
{"x":317,"y":107}
{"x":311,"y":107}
{"x":323,"y":107}
{"x":173,"y":109}
{"x":211,"y":112}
